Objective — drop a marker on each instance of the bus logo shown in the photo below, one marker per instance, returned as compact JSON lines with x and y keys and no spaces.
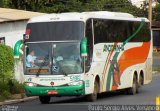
{"x":117,"y":48}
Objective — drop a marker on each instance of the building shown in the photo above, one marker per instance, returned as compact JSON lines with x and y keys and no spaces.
{"x":12,"y":27}
{"x":13,"y":23}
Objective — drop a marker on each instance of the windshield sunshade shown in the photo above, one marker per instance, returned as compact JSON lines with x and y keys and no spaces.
{"x":55,"y":31}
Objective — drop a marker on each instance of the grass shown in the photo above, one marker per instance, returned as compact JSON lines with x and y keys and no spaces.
{"x":2,"y":98}
{"x":9,"y":88}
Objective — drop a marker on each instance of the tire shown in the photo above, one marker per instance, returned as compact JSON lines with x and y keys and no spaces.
{"x":140,"y":83}
{"x":134,"y":89}
{"x":93,"y":97}
{"x":44,"y":99}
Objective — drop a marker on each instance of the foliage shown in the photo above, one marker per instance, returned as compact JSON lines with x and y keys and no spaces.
{"x":156,"y":11}
{"x":15,"y":87}
{"x":58,"y":6}
{"x":3,"y":3}
{"x":6,"y":94}
{"x":6,"y":62}
{"x":10,"y":87}
{"x":3,"y":86}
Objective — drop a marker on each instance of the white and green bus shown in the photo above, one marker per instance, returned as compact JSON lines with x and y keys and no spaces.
{"x":87,"y":53}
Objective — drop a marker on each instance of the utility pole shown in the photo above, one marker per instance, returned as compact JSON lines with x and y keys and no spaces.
{"x":150,"y":12}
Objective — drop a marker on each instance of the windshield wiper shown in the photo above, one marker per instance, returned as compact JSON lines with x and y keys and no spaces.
{"x":64,"y":73}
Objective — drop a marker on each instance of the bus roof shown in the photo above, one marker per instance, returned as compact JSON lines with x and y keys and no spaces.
{"x":83,"y":16}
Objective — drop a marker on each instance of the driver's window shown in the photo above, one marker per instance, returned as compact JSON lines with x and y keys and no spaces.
{"x":89,"y":37}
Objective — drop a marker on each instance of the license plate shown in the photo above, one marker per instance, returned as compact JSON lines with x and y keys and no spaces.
{"x":52,"y":92}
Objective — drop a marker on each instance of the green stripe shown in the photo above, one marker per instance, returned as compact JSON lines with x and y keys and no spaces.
{"x":62,"y":90}
{"x":136,"y":32}
{"x":110,"y":73}
{"x":117,"y":53}
{"x":105,"y":68}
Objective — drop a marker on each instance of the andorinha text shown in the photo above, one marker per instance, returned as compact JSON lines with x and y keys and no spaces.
{"x":117,"y":48}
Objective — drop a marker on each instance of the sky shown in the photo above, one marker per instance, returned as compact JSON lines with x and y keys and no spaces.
{"x":138,"y":2}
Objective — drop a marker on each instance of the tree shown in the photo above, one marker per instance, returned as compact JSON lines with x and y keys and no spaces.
{"x":6,"y":62}
{"x":3,"y":3}
{"x":123,"y":6}
{"x":58,"y":6}
{"x":156,"y":11}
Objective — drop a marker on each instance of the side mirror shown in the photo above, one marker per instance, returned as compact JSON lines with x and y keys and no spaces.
{"x":84,"y":47}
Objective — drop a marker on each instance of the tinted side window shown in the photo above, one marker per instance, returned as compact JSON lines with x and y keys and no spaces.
{"x":119,"y":31}
{"x":110,"y":31}
{"x":144,"y":33}
{"x":100,"y":30}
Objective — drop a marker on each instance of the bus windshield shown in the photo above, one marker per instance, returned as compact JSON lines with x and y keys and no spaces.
{"x":53,"y":58}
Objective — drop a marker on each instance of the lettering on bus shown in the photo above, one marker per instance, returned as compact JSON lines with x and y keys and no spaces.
{"x":117,"y":48}
{"x":52,"y":79}
{"x":75,"y":78}
{"x":87,"y":83}
{"x":38,"y":70}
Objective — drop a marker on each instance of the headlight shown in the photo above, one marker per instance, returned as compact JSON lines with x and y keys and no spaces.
{"x":75,"y":83}
{"x":30,"y":84}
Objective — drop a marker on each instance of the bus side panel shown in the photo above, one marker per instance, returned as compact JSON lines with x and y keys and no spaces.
{"x":118,"y":67}
{"x":135,"y":59}
{"x":149,"y":62}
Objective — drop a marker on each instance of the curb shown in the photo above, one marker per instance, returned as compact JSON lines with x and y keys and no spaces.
{"x":17,"y":101}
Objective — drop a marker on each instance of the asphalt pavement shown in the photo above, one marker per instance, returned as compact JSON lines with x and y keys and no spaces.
{"x":156,"y":61}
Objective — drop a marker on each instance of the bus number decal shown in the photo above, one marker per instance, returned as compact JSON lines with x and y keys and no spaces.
{"x":87,"y":83}
{"x":75,"y":78}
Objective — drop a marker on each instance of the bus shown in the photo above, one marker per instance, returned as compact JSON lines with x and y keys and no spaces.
{"x":85,"y":54}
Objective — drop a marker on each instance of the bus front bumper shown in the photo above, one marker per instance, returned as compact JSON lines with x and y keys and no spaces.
{"x":55,"y":91}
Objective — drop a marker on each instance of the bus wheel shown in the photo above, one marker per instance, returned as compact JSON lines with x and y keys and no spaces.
{"x":44,"y":99}
{"x":134,"y":89}
{"x":93,"y":97}
{"x":140,"y":83}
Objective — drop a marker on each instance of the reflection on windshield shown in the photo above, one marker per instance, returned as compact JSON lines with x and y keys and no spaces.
{"x":38,"y":58}
{"x":53,"y":58}
{"x":66,"y":58}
